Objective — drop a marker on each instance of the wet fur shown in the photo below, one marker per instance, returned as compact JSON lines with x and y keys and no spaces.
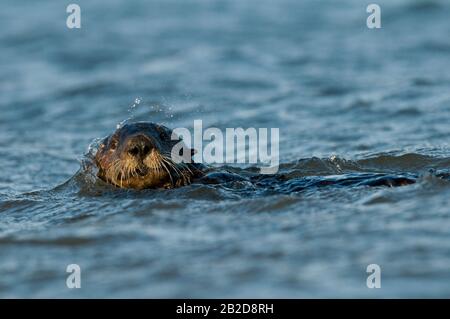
{"x":157,"y":170}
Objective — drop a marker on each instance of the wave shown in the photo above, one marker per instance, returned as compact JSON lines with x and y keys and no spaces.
{"x":227,"y":182}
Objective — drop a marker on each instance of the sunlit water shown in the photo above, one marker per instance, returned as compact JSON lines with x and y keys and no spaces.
{"x":348,"y":101}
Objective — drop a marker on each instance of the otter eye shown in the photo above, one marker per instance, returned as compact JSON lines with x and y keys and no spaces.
{"x":113,"y":145}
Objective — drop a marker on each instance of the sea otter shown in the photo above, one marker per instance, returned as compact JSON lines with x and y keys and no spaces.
{"x":138,"y":156}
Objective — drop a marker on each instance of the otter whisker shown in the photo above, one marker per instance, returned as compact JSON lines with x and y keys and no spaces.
{"x":182,"y":164}
{"x":182,"y":174}
{"x":168,"y":171}
{"x":121,"y":162}
{"x":173,"y":165}
{"x":114,"y":172}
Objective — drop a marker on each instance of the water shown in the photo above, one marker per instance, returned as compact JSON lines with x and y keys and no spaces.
{"x":348,"y":100}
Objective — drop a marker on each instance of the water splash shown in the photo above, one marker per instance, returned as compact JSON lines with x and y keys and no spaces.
{"x":131,"y":112}
{"x":160,"y":112}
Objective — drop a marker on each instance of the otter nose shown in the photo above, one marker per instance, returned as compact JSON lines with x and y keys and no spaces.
{"x":139,"y":146}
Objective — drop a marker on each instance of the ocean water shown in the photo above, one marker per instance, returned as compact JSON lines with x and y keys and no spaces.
{"x":348,"y":101}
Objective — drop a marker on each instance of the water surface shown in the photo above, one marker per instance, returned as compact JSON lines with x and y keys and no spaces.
{"x":347,"y":100}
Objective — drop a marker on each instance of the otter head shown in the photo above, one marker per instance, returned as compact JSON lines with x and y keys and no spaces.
{"x":138,"y":155}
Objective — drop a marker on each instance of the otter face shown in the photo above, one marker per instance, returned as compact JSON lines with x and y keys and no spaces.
{"x":138,"y":156}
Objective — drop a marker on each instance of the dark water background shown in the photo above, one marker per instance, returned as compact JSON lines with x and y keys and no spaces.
{"x":346,"y":99}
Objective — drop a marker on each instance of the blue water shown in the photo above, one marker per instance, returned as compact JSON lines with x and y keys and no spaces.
{"x":347,"y":100}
